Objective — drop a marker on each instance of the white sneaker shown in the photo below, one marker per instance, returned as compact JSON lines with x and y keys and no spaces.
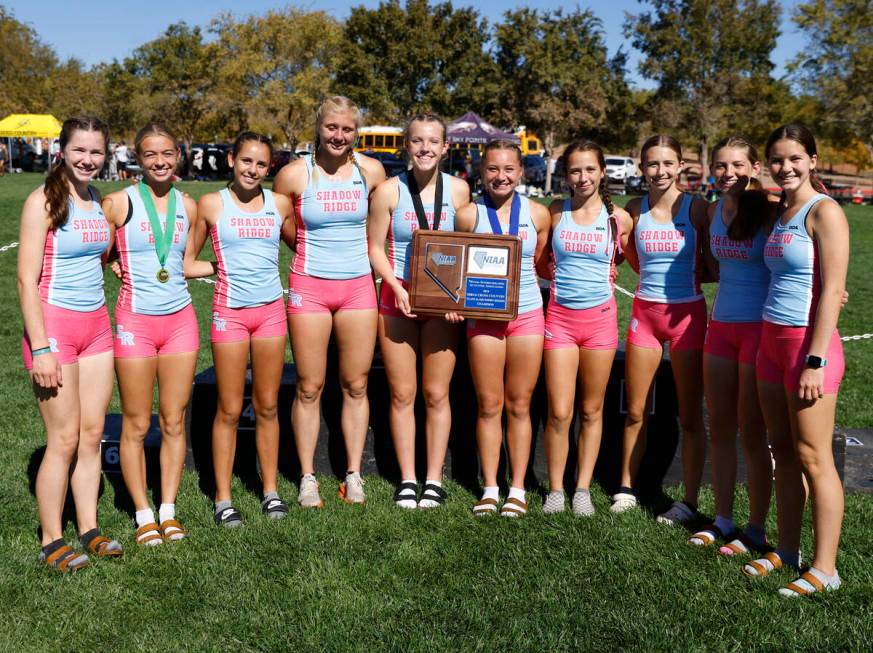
{"x":554,"y":502}
{"x":622,"y":502}
{"x":679,"y":513}
{"x":582,"y":506}
{"x":352,"y":489}
{"x":308,"y":497}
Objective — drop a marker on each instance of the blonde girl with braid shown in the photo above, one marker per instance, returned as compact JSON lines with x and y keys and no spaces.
{"x":330,"y":287}
{"x":588,"y":236}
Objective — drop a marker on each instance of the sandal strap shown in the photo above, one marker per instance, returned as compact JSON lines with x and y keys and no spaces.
{"x":773,"y":558}
{"x":813,"y":580}
{"x":515,"y":506}
{"x":171,"y":523}
{"x":274,"y":506}
{"x":709,"y":534}
{"x":60,"y":557}
{"x":434,"y":493}
{"x":485,"y":506}
{"x":403,"y":491}
{"x":97,"y":544}
{"x":148,"y":533}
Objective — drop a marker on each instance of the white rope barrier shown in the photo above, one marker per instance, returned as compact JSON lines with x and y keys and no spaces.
{"x":11,"y":245}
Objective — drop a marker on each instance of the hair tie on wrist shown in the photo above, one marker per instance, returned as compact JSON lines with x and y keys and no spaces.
{"x":40,"y":351}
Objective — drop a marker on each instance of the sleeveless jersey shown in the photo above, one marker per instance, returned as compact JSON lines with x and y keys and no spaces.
{"x":246,"y":245}
{"x":743,"y":277}
{"x":668,"y":256}
{"x":529,"y":296}
{"x":795,"y":281}
{"x":72,"y":272}
{"x":404,"y":223}
{"x":332,"y":227}
{"x":141,"y":292}
{"x":584,"y":260}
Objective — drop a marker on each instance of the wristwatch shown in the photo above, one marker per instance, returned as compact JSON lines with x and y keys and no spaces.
{"x":816,"y":362}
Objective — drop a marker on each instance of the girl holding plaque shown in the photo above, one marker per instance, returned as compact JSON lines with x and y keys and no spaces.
{"x":156,"y":334}
{"x":330,"y":288}
{"x":245,"y":223}
{"x":398,"y":208}
{"x":668,"y":248}
{"x":505,"y":357}
{"x":589,"y":234}
{"x":67,"y":344}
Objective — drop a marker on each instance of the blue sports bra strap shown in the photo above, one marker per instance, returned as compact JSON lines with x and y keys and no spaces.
{"x":514,"y":215}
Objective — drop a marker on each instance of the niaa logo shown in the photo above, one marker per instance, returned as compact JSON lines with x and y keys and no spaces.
{"x":443,"y":259}
{"x":482,"y":259}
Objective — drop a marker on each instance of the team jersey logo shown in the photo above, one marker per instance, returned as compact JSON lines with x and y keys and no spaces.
{"x":294,"y":299}
{"x":53,"y":345}
{"x":218,"y":322}
{"x":125,"y":338}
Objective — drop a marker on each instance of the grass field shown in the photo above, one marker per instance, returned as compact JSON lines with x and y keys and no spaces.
{"x":376,"y":578}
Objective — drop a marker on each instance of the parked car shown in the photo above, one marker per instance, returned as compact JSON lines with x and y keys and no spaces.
{"x":534,"y":170}
{"x":392,"y":163}
{"x":636,"y":185}
{"x":619,"y":168}
{"x":281,"y":158}
{"x":209,"y":161}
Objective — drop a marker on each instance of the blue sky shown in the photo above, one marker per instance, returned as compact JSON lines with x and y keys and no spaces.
{"x":100,"y":30}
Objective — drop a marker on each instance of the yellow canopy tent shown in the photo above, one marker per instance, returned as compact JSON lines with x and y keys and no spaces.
{"x":28,"y":125}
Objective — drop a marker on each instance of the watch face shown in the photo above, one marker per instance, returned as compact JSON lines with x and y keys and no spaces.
{"x":814,"y":362}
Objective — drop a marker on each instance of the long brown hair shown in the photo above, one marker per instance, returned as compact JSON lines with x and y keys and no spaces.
{"x":585,"y":145}
{"x":57,"y":188}
{"x":755,"y":211}
{"x":799,"y":133}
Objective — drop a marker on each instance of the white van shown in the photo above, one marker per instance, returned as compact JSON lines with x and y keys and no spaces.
{"x":619,"y":168}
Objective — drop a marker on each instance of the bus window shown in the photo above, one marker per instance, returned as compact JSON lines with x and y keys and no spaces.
{"x":367,"y":141}
{"x":380,"y":141}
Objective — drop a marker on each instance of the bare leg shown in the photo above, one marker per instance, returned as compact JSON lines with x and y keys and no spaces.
{"x":136,"y":379}
{"x":230,"y":360}
{"x":524,"y":356}
{"x":487,"y":366}
{"x":594,"y":370}
{"x":268,"y":361}
{"x":688,"y":374}
{"x":562,"y":368}
{"x":759,"y":470}
{"x":398,"y":340}
{"x":641,"y":365}
{"x":439,"y":345}
{"x":175,"y":381}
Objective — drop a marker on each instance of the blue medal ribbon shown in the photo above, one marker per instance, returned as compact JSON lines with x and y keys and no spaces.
{"x":514,"y":212}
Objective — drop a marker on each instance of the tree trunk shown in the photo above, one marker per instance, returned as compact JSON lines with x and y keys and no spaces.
{"x":704,"y":158}
{"x":550,"y":146}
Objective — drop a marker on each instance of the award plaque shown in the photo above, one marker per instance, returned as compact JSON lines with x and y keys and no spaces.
{"x":474,"y":275}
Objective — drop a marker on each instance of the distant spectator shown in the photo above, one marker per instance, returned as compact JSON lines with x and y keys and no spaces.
{"x":3,"y":156}
{"x":122,"y":159}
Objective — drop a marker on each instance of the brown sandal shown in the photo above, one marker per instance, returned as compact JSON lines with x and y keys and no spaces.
{"x":103,"y":547}
{"x":513,"y":508}
{"x":172,"y":530}
{"x":485,"y":507}
{"x":63,"y":558}
{"x":149,"y":535}
{"x":763,"y":566}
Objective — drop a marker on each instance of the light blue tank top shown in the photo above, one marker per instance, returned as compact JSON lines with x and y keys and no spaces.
{"x":529,"y":296}
{"x":247,"y":248}
{"x":72,"y":271}
{"x":668,"y":256}
{"x":404,"y":223}
{"x":141,"y":292}
{"x":795,"y":282}
{"x":332,"y":226}
{"x":584,"y":260}
{"x":743,"y":277}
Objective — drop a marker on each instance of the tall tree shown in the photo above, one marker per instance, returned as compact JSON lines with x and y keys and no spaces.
{"x":557,"y":78}
{"x":120,"y":95}
{"x":703,"y":55}
{"x":837,"y":66}
{"x":24,"y":62}
{"x":275,"y":69}
{"x":397,"y":60}
{"x":177,"y":74}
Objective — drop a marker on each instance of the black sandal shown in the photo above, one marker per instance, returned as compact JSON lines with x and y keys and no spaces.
{"x":274,"y":508}
{"x":406,"y":492}
{"x":433,"y":493}
{"x":228,"y":518}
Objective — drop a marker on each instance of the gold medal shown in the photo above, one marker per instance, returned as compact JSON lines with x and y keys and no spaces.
{"x":163,"y":275}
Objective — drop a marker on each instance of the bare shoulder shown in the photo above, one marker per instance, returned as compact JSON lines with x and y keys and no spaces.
{"x":387,"y":189}
{"x":556,"y":209}
{"x":624,"y":218}
{"x":96,"y":193}
{"x":283,"y":203}
{"x":291,"y":179}
{"x":115,"y":206}
{"x":190,"y":204}
{"x":827,"y":213}
{"x":465,"y":218}
{"x":540,"y":214}
{"x":634,"y":206}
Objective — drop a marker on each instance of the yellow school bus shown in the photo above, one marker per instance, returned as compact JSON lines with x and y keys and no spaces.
{"x":530,"y":142}
{"x":378,"y":138}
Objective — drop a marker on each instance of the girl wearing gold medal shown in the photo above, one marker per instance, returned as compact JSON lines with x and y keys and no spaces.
{"x":156,"y":329}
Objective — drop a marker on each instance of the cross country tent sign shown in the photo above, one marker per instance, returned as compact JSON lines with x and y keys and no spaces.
{"x":29,"y":125}
{"x":471,"y":129}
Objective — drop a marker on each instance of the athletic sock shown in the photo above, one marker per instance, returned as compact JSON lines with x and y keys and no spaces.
{"x":624,"y":489}
{"x":144,"y":516}
{"x":167,"y":511}
{"x":516,"y":493}
{"x":53,"y":546}
{"x":432,"y":482}
{"x":491,"y":492}
{"x":790,"y":559}
{"x":725,"y":525}
{"x":86,"y":537}
{"x":756,"y":533}
{"x":426,"y":501}
{"x":221,"y":505}
{"x":270,"y":496}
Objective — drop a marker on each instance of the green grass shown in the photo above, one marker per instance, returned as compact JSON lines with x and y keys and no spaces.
{"x":376,"y":578}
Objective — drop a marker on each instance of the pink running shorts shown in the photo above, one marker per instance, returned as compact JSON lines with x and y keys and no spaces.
{"x":72,"y":334}
{"x":782,"y":357}
{"x":308,"y":294}
{"x":241,"y":324}
{"x":683,"y":325}
{"x":143,"y":336}
{"x":588,"y":328}
{"x":736,"y":341}
{"x":532,"y":323}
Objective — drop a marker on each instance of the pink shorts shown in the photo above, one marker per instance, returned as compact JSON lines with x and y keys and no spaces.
{"x":532,"y":323}
{"x":308,"y":294}
{"x":782,"y":354}
{"x":241,"y":324}
{"x":588,"y":328}
{"x":389,"y":308}
{"x":736,"y":341}
{"x":143,"y":336}
{"x":72,"y":334}
{"x":683,"y":325}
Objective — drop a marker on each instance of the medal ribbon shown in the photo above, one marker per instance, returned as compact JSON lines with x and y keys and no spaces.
{"x":163,"y":238}
{"x":415,"y":192}
{"x":513,"y":215}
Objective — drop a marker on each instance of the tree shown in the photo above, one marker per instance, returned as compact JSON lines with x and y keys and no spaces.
{"x":557,"y":78}
{"x":711,"y":60}
{"x":396,"y":61}
{"x":275,"y":69}
{"x":176,"y":74}
{"x":120,"y":95}
{"x":73,"y":90}
{"x":837,"y":66}
{"x":24,"y":62}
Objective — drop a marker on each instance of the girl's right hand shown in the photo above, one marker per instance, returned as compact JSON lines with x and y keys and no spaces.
{"x":454,"y":318}
{"x":115,"y":266}
{"x":401,"y":301}
{"x":46,"y":371}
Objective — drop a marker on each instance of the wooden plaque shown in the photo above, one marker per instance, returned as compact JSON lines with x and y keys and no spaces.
{"x":475,"y":275}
